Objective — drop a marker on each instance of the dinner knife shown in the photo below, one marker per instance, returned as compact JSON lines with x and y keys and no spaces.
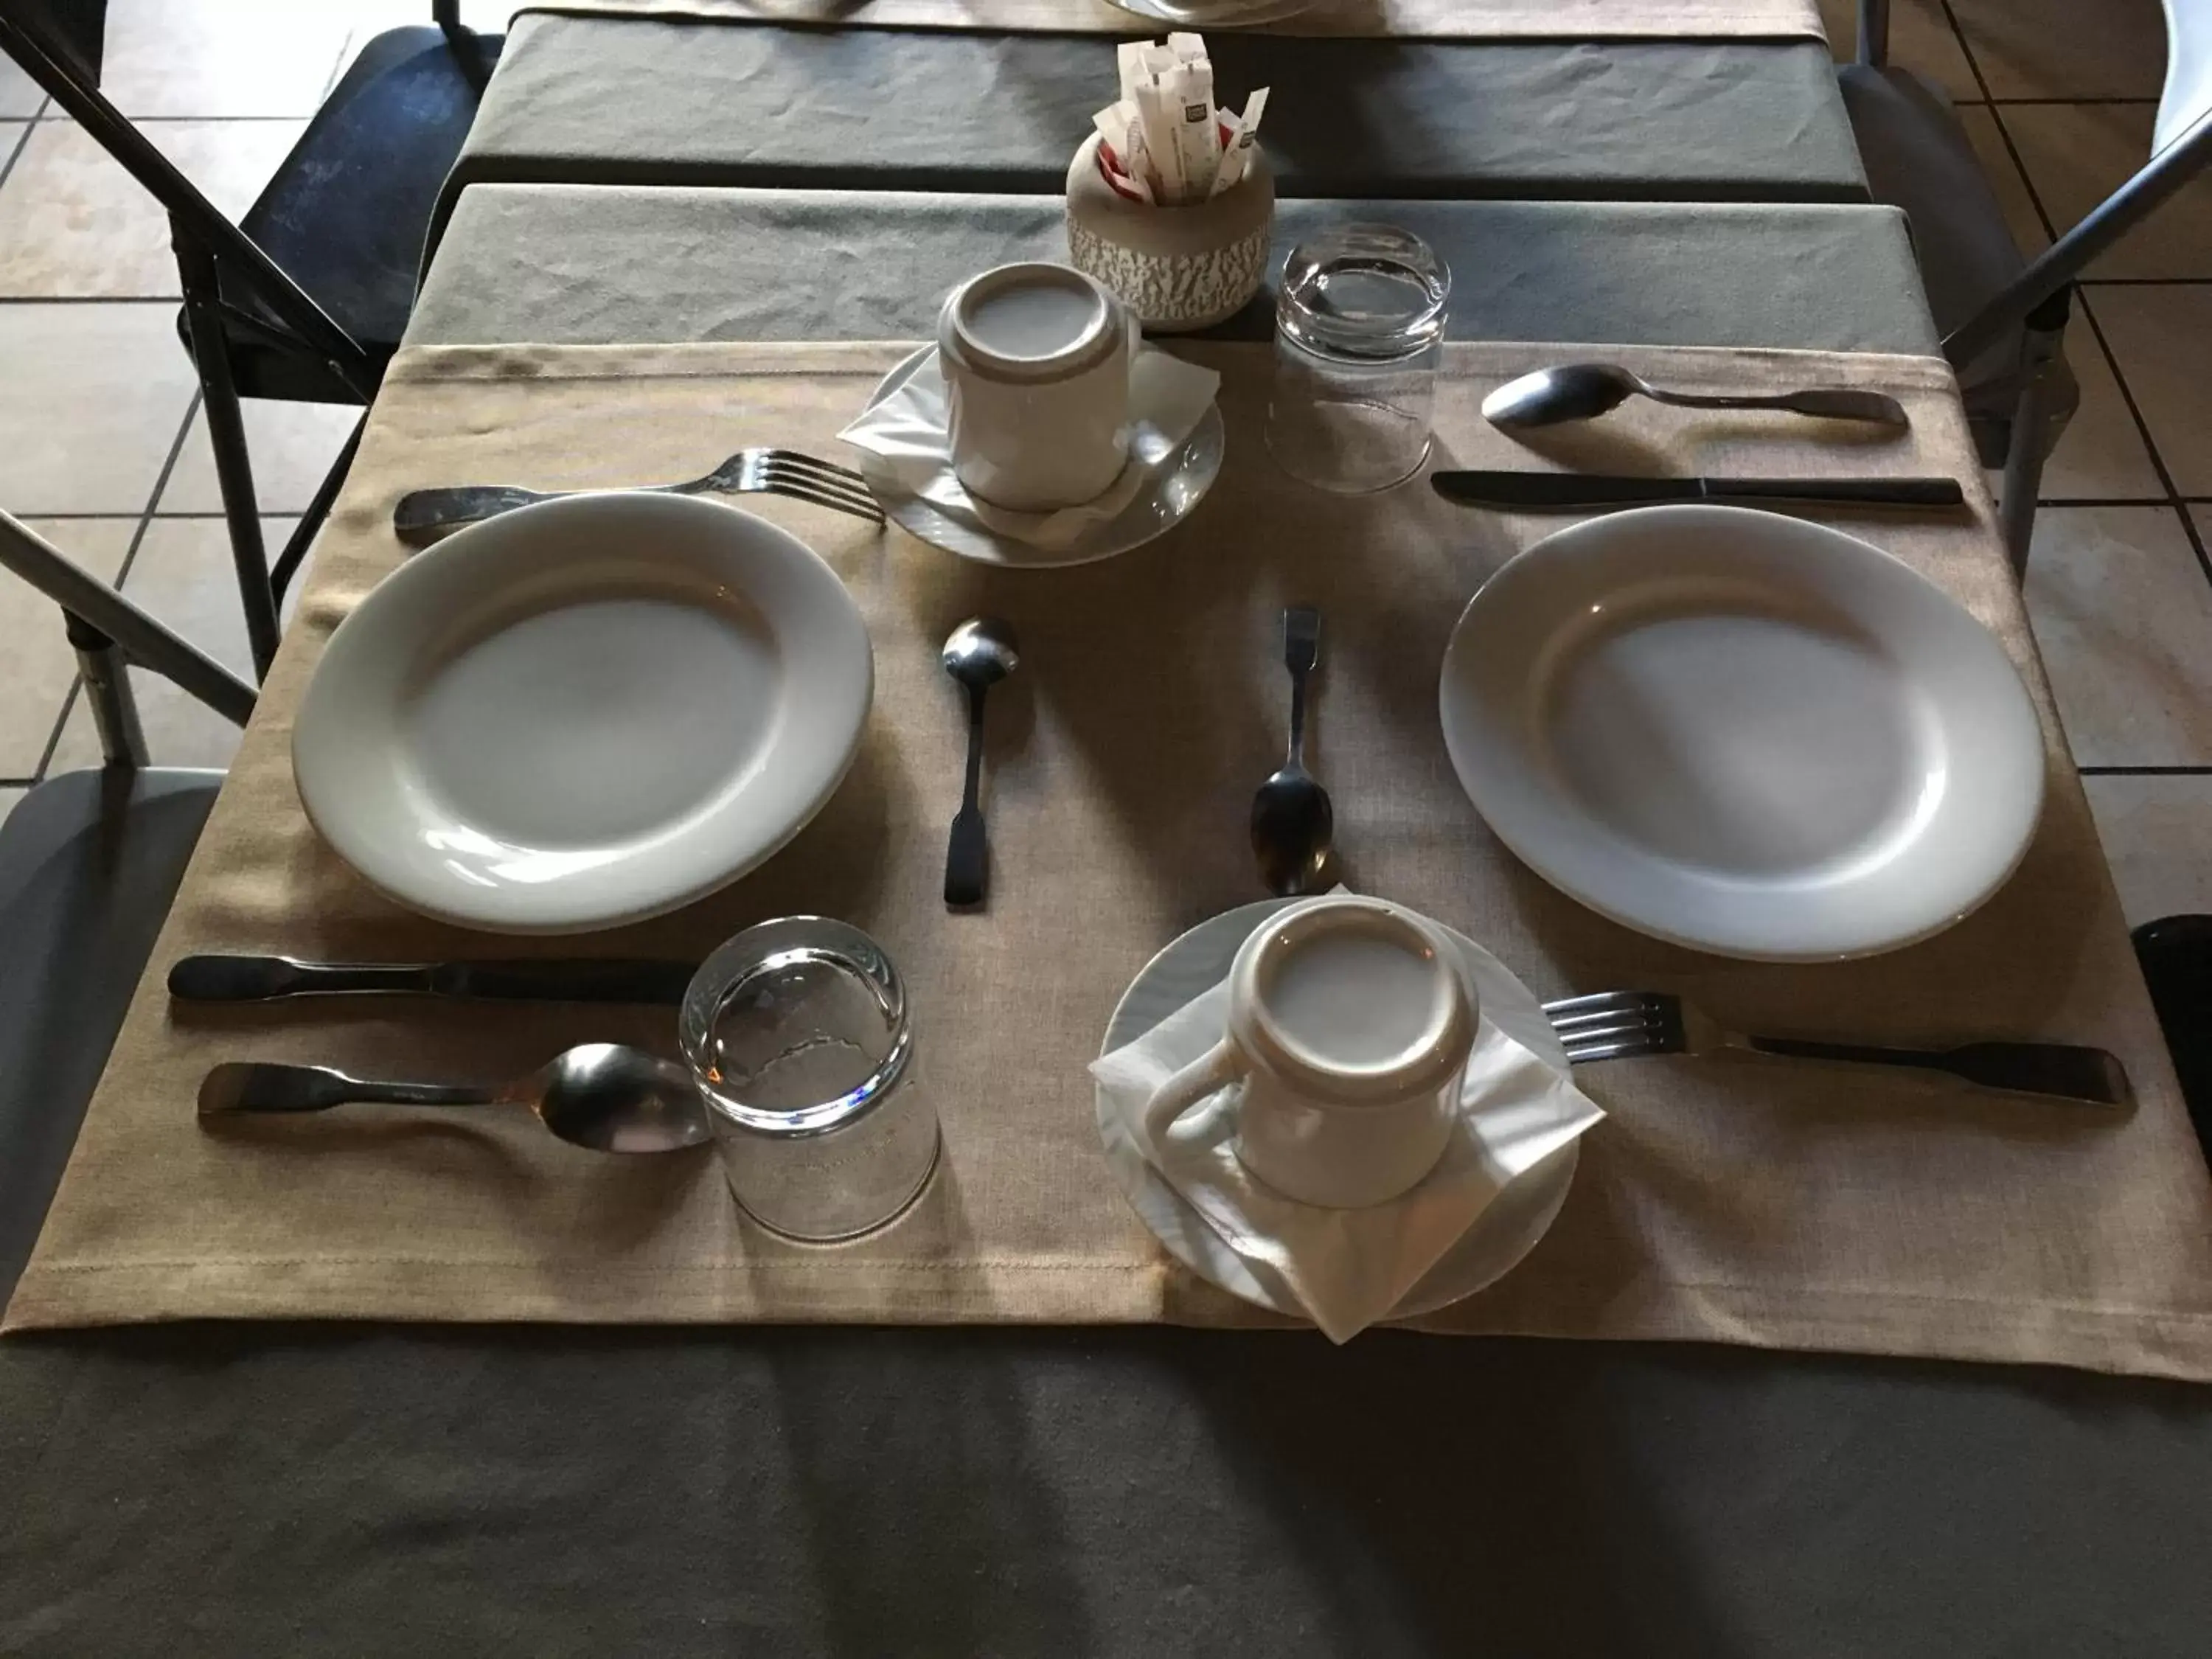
{"x":1543,"y":491}
{"x":266,"y":979}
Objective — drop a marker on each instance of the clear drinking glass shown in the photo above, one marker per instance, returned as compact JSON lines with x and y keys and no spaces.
{"x":1360,"y":329}
{"x":797,"y":1034}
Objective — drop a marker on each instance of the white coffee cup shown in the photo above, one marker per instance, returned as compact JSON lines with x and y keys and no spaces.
{"x":1036,"y":359}
{"x":1350,"y":1023}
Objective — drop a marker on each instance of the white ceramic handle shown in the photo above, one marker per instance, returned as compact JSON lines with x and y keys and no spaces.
{"x":1221,"y":1065}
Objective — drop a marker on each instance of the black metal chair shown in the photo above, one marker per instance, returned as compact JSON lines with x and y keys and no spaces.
{"x":2002,"y":315}
{"x":304,"y":299}
{"x":90,"y":863}
{"x":2176,"y":954}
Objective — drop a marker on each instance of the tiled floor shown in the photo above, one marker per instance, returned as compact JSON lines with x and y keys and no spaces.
{"x":101,"y":445}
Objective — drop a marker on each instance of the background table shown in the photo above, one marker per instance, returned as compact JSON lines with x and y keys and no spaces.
{"x":634,"y":101}
{"x":289,"y":1488}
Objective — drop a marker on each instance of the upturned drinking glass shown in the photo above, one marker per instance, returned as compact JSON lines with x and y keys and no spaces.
{"x":1360,"y":329}
{"x":797,"y":1034}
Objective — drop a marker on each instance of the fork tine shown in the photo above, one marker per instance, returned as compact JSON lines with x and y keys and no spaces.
{"x":859,"y":496}
{"x":815,"y":481}
{"x":792,"y":458}
{"x":860,"y":506}
{"x":1602,"y":1002}
{"x":1648,"y":1043}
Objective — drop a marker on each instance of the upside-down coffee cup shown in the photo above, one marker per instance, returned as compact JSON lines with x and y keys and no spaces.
{"x":1036,"y":359}
{"x":1350,"y":1023}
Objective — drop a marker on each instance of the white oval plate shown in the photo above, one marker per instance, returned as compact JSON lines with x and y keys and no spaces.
{"x":1168,"y":496}
{"x":584,"y":713}
{"x":1742,"y":733}
{"x":1492,"y":1247}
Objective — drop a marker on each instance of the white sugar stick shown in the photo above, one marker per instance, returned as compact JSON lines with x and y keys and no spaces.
{"x":1244,"y":130}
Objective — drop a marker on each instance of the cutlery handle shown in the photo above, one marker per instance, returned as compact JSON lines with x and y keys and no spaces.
{"x":1838,"y":403}
{"x":261,"y":1086}
{"x":423,"y":514}
{"x":964,"y":859}
{"x":1881,"y":492}
{"x":264,"y":979}
{"x":2059,"y":1069}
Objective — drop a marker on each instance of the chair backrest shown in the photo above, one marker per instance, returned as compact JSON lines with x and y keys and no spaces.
{"x":2188,"y":95}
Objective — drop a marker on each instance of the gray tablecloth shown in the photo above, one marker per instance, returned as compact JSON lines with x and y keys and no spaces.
{"x":624,"y":100}
{"x":585,"y":262}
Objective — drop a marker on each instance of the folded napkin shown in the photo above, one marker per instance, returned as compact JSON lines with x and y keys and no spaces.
{"x":1347,"y":1268}
{"x":1168,"y":397}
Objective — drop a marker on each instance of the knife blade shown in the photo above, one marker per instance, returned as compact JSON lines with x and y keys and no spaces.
{"x":1552,"y":491}
{"x":268,"y":979}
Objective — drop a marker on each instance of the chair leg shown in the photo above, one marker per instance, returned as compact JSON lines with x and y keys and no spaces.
{"x":303,"y":534}
{"x":234,"y":468}
{"x":1873,"y":45}
{"x":101,"y":664}
{"x":2025,"y":455}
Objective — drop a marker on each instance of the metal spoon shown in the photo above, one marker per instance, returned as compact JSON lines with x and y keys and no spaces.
{"x":978,"y":653}
{"x":1293,"y":825}
{"x":1580,"y":392}
{"x":600,"y":1095}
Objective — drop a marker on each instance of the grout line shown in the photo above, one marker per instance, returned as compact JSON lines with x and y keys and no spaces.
{"x":2141,"y":282}
{"x":2005,"y":102}
{"x":2103,"y":501}
{"x":2145,"y":771}
{"x":22,"y":139}
{"x":88,"y":300}
{"x":123,"y":571}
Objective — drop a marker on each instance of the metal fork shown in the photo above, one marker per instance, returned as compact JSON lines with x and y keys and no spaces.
{"x":424,"y":515}
{"x":1629,"y":1024}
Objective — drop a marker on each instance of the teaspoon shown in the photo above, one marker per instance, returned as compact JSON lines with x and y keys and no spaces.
{"x":601,"y":1096}
{"x":978,"y":653}
{"x":1580,"y":392}
{"x":1293,"y":826}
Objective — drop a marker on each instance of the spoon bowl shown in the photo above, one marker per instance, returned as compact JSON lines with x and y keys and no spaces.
{"x":1293,"y":830}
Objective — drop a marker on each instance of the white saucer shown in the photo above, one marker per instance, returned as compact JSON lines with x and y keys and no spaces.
{"x":1742,"y":733}
{"x":584,"y":713}
{"x":1492,"y":1247}
{"x":1165,"y":501}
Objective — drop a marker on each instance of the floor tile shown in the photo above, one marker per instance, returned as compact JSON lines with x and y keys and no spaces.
{"x":2101,"y":456}
{"x":91,"y":403}
{"x":292,"y":446}
{"x":183,"y":575}
{"x":18,"y":93}
{"x":2066,"y":48}
{"x":2161,"y":340}
{"x":222,"y":57}
{"x":2123,"y":615}
{"x":1920,"y":39}
{"x":2077,"y":155}
{"x":2156,"y":831}
{"x":73,"y":223}
{"x":37,"y":667}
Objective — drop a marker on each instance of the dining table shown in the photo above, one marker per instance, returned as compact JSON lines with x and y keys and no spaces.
{"x":551,"y":1484}
{"x":653,"y":98}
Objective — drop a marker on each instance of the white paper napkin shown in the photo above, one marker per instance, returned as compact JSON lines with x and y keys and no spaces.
{"x":1168,"y":397}
{"x":1347,"y":1267}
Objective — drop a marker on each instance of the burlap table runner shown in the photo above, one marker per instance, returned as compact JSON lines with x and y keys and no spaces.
{"x":1778,"y":1205}
{"x":1434,"y":20}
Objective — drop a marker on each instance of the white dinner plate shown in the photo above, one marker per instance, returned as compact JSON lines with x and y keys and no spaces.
{"x":1504,"y":1233}
{"x":1168,"y":494}
{"x":1742,"y":733}
{"x":584,"y":713}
